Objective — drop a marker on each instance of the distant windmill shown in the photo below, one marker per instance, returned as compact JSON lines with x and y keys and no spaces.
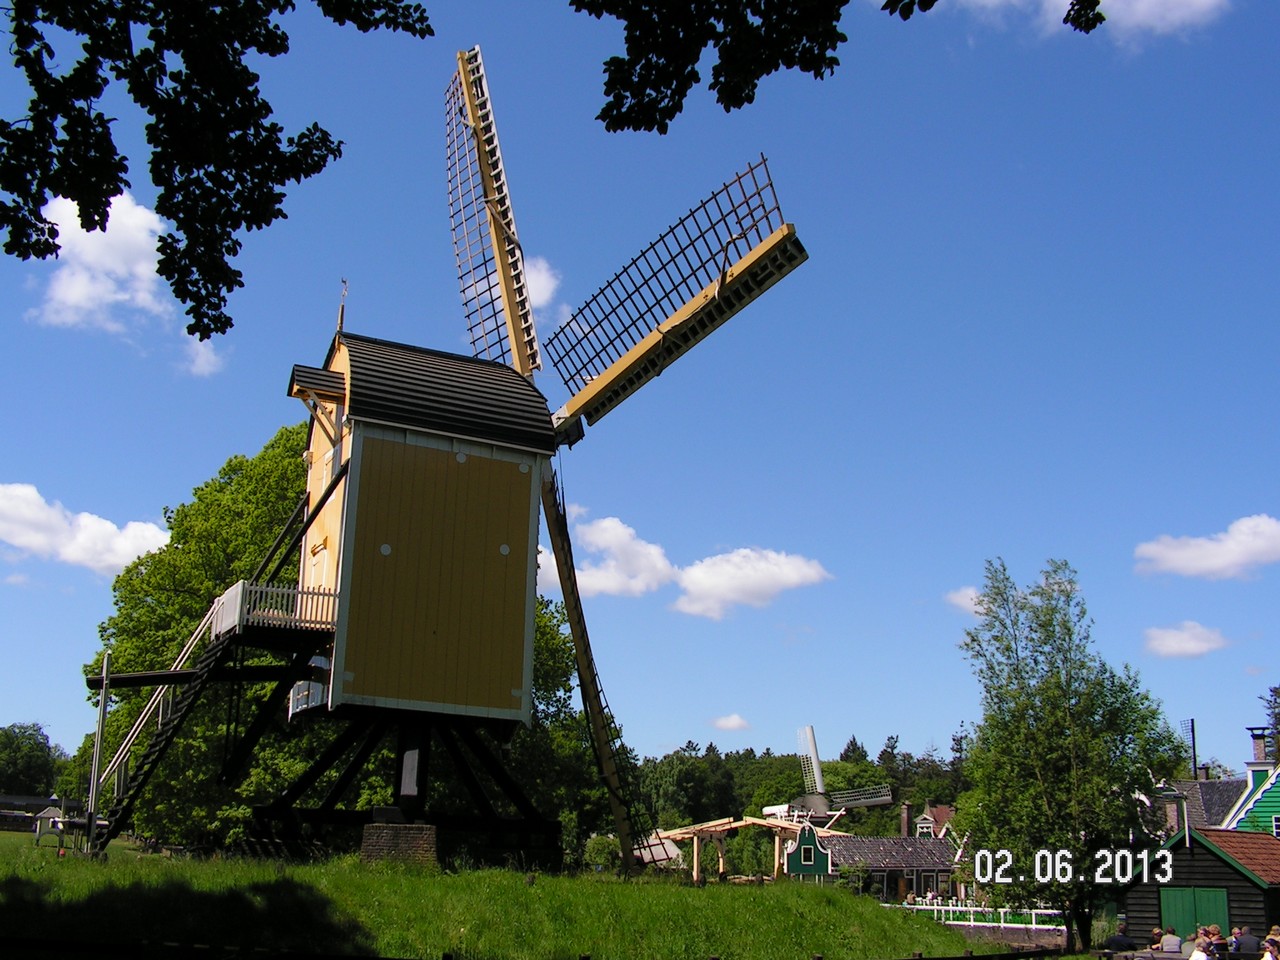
{"x":412,"y":616}
{"x":816,"y":803}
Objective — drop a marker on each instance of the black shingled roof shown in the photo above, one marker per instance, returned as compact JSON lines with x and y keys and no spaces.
{"x":414,"y":387}
{"x":892,"y":853}
{"x":1209,"y":801}
{"x":324,"y":383}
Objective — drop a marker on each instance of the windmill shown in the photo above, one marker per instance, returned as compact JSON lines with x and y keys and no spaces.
{"x":704,"y":269}
{"x":412,"y":616}
{"x":816,"y":803}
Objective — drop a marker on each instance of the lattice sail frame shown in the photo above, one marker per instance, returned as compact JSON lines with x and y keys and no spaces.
{"x":704,"y":269}
{"x":490,"y":262}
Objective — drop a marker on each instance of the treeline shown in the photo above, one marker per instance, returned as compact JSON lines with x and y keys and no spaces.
{"x":30,"y":764}
{"x":695,"y":784}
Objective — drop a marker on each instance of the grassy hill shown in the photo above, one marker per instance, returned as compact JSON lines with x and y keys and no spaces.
{"x":343,"y":906}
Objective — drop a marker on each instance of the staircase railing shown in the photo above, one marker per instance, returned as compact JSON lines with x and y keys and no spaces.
{"x":158,"y":696}
{"x":243,"y":605}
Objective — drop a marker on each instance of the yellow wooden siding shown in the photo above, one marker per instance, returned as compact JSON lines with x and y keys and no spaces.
{"x":437,"y":612}
{"x":321,"y":547}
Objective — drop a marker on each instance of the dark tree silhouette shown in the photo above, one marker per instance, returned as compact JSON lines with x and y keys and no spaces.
{"x":221,"y":163}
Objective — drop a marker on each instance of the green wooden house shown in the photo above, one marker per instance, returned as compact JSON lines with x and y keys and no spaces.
{"x":807,"y":857}
{"x":1258,"y":809}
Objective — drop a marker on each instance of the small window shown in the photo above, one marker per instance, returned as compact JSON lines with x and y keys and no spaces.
{"x":1275,"y":826}
{"x":806,"y":856}
{"x":924,"y":829}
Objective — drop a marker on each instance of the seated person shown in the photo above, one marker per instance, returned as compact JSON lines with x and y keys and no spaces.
{"x":1120,"y":941}
{"x":1171,"y":942}
{"x":1247,"y":942}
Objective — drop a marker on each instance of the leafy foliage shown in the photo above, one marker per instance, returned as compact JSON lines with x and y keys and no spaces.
{"x":1081,"y":15}
{"x":1068,"y":751}
{"x":218,"y":160}
{"x":553,"y":758}
{"x":665,"y":41}
{"x":693,"y":785}
{"x":1272,"y":704}
{"x":29,"y":763}
{"x":218,"y":537}
{"x":220,"y":163}
{"x":854,"y":751}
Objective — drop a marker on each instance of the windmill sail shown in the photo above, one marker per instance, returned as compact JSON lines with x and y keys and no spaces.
{"x":810,"y":765}
{"x":490,"y":263}
{"x":714,"y":261}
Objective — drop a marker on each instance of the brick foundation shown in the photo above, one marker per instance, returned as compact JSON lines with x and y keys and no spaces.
{"x":408,"y":842}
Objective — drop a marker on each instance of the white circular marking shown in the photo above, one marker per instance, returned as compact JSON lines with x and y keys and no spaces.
{"x":385,"y":549}
{"x":504,"y":549}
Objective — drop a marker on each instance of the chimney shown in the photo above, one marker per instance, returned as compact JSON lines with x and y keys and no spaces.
{"x":1259,"y":736}
{"x":1259,"y":768}
{"x":906,"y":818}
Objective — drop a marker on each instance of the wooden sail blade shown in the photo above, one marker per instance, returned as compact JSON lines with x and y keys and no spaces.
{"x":490,"y":262}
{"x":638,"y":841}
{"x":703,"y":270}
{"x":766,"y":264}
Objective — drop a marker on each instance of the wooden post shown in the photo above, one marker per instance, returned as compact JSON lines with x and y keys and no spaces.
{"x":91,"y":821}
{"x":697,"y":858}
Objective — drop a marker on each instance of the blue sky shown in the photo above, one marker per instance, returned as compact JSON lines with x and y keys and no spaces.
{"x":1038,"y":321}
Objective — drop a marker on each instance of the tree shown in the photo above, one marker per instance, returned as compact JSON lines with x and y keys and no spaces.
{"x":218,"y":537}
{"x":29,"y":763}
{"x":688,"y":786}
{"x":219,"y":161}
{"x":1065,"y":760}
{"x":854,"y":752}
{"x":553,"y":758}
{"x":665,"y":42}
{"x":1272,"y":703}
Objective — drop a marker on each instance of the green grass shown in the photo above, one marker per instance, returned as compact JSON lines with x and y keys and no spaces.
{"x":343,"y":906}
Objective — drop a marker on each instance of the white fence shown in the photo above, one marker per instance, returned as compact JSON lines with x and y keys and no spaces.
{"x":971,"y":915}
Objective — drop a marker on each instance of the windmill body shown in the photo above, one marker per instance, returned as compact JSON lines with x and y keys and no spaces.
{"x":430,"y":538}
{"x":413,"y":612}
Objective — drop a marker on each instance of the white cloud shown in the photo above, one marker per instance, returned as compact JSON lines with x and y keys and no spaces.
{"x":103,"y":275}
{"x":16,"y":580}
{"x":748,"y":576}
{"x":963,"y":598}
{"x":1188,"y":639}
{"x":1161,"y":16}
{"x":629,"y":566}
{"x":1125,"y":18}
{"x":542,"y":281}
{"x":202,"y":359}
{"x":50,"y":531}
{"x":619,"y":563}
{"x":1247,"y":543}
{"x":548,"y":572}
{"x":733,"y":721}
